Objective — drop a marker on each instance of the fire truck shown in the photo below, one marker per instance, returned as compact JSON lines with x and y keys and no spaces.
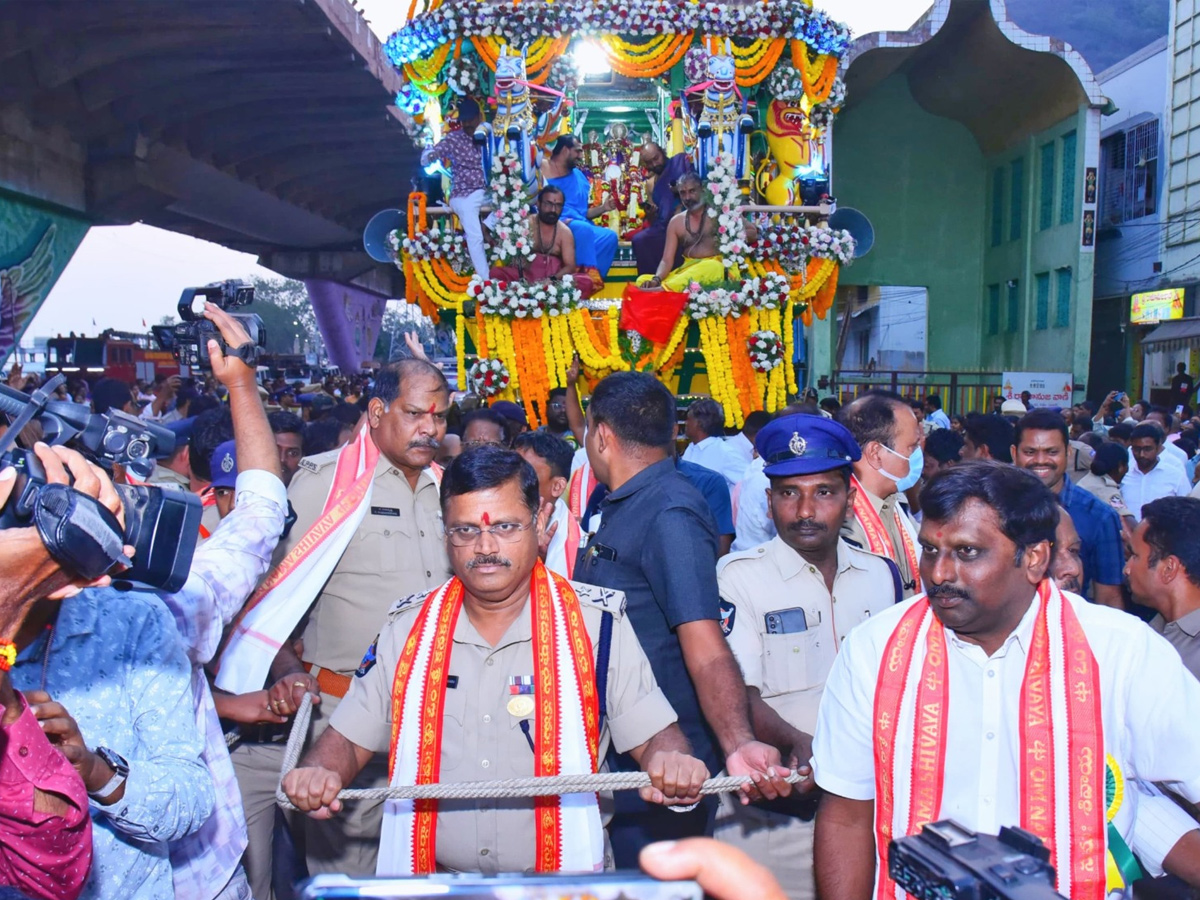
{"x":112,"y":354}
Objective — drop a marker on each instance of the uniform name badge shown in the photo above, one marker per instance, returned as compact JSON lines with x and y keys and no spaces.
{"x":520,"y":704}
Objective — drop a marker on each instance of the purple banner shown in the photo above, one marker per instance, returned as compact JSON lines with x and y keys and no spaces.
{"x":349,"y":319}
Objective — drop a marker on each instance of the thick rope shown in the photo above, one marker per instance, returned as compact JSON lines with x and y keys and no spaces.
{"x":513,"y":787}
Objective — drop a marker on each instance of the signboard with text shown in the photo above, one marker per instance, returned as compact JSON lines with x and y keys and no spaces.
{"x":1045,"y":388}
{"x":1156,"y":306}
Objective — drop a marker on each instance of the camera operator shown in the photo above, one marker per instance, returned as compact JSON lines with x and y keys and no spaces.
{"x":45,"y":829}
{"x":105,"y":675}
{"x":225,"y":569}
{"x":157,"y":719}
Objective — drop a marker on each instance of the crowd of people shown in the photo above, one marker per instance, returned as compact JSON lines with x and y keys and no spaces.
{"x":926,"y":615}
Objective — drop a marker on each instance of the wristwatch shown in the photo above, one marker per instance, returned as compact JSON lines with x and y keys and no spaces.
{"x":120,"y":768}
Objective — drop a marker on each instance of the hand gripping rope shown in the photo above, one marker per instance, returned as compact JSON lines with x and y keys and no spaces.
{"x":509,"y":788}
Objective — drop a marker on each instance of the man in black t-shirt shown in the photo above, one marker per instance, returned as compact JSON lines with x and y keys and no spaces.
{"x":1182,"y":385}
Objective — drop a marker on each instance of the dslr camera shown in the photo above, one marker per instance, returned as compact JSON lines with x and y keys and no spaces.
{"x":163,"y":527}
{"x":189,"y":339}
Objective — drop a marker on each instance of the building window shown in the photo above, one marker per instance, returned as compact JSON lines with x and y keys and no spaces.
{"x":997,"y":207}
{"x":1046,"y":200}
{"x":1016,"y":204}
{"x":993,"y":311}
{"x":1067,"y":212}
{"x":1129,"y":172}
{"x":1042,"y":321}
{"x":1014,"y":306}
{"x":1062,"y":300}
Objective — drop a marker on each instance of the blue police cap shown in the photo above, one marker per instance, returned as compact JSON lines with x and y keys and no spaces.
{"x":805,"y":445}
{"x":224,"y":465}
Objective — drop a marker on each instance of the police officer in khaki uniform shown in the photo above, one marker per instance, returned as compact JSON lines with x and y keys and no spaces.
{"x":786,"y":606}
{"x":892,"y":459}
{"x":1109,"y":467}
{"x":397,"y":550}
{"x":488,"y":494}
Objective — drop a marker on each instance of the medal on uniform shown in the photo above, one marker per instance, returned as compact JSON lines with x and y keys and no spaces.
{"x":520,"y":704}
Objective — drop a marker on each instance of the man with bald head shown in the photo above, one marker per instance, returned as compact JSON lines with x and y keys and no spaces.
{"x":892,"y":461}
{"x":661,"y":207}
{"x":396,"y":550}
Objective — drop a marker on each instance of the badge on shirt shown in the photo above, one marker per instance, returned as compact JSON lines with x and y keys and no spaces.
{"x":520,"y":704}
{"x":368,"y":660}
{"x":727,"y":612}
{"x":385,"y":511}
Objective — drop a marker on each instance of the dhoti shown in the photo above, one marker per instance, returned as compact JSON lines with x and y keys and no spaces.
{"x":544,"y":267}
{"x":708,"y":271}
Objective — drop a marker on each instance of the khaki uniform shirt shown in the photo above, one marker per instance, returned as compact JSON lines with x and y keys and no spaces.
{"x":1103,"y":487}
{"x":1184,"y":635}
{"x":397,"y":550}
{"x":482,"y":740}
{"x":1079,"y":460}
{"x":168,"y":478}
{"x":853,"y":532}
{"x":789,"y":669}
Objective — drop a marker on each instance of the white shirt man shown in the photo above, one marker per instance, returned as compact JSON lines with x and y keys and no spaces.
{"x":1150,"y":476}
{"x":981,"y":788}
{"x":717,"y":454}
{"x":751,"y":516}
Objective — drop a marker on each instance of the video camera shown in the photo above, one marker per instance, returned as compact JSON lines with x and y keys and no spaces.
{"x":949,"y":862}
{"x":162,"y":526}
{"x":189,"y":339}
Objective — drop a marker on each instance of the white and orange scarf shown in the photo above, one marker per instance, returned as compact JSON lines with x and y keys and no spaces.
{"x":879,"y":541}
{"x":1062,"y":775}
{"x":569,"y":834}
{"x":284,"y":596}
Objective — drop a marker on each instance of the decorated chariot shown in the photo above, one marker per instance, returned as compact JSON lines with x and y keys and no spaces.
{"x":747,"y":89}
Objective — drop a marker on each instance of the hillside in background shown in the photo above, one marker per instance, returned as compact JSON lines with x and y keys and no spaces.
{"x":1104,"y":31}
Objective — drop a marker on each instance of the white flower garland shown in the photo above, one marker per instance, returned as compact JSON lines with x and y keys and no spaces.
{"x":511,"y":235}
{"x":462,"y":76}
{"x":436,"y":243}
{"x":564,"y":75}
{"x":487,"y":377}
{"x":727,"y":198}
{"x":525,"y":299}
{"x":766,"y":350}
{"x":768,"y":292}
{"x":521,"y":23}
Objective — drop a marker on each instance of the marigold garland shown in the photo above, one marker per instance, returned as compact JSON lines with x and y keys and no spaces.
{"x":631,"y":60}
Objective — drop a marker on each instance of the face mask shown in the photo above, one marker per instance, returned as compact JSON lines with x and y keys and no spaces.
{"x":916,"y":465}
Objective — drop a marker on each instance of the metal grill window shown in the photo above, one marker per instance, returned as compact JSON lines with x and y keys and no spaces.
{"x":1130,"y":166}
{"x":1067,"y":211}
{"x":1042,"y":321}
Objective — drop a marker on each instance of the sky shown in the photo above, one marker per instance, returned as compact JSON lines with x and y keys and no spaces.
{"x":122,"y":275}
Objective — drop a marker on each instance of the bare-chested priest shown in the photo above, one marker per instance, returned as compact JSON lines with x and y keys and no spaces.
{"x":553,"y":248}
{"x":694,"y":232}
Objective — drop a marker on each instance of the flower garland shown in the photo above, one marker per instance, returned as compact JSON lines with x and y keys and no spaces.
{"x":488,"y":377}
{"x":524,"y":299}
{"x":727,"y":198}
{"x":766,"y":350}
{"x":823,"y":242}
{"x":786,"y":83}
{"x":564,"y":75}
{"x":822,"y":113}
{"x":520,"y":23}
{"x":436,"y":243}
{"x":462,"y":76}
{"x":511,"y":197}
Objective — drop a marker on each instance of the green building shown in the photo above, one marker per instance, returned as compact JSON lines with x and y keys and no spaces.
{"x":969,"y":144}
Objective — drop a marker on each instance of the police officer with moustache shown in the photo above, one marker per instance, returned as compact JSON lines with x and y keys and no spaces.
{"x":786,"y":606}
{"x":396,"y":550}
{"x":495,"y":693}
